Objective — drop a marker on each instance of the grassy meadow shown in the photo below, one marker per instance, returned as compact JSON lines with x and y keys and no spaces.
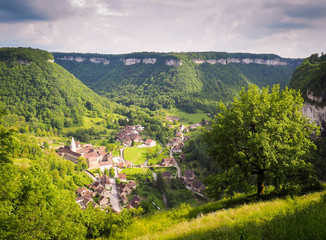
{"x":157,"y":160}
{"x":135,"y":155}
{"x":189,"y":117}
{"x":138,"y":155}
{"x":300,"y":217}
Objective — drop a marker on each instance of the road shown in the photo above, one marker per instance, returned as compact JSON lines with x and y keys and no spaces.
{"x":175,"y":164}
{"x":122,"y":153}
{"x":114,"y":197}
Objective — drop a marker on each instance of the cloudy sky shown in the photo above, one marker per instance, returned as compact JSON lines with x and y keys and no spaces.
{"x":289,"y":28}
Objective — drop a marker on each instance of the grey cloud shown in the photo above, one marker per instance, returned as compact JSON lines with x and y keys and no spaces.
{"x":286,"y":26}
{"x":12,"y":11}
{"x":307,"y":12}
{"x":16,"y":11}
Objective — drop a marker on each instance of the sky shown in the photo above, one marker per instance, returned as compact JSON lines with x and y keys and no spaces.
{"x":289,"y":28}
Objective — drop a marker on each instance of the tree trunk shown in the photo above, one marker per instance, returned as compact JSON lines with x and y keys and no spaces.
{"x":260,"y":183}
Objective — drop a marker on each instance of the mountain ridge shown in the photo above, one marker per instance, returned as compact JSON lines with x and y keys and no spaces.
{"x":189,"y":81}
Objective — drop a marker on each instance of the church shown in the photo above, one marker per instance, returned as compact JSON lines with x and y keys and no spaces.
{"x":95,"y":157}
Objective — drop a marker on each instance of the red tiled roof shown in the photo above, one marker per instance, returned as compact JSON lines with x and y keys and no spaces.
{"x":66,"y":150}
{"x":122,"y":176}
{"x":149,"y":141}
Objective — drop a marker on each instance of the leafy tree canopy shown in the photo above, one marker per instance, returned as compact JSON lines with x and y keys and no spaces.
{"x":261,"y":137}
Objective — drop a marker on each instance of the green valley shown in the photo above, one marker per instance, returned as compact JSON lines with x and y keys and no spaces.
{"x":151,"y":152}
{"x":188,"y":81}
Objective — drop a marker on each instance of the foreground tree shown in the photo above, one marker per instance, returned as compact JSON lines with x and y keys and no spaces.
{"x":262,"y":136}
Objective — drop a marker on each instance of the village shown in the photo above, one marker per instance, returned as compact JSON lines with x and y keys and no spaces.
{"x":111,"y":186}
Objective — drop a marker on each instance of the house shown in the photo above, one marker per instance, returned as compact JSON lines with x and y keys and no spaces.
{"x":95,"y":185}
{"x":100,"y":190}
{"x":134,"y":202}
{"x":122,"y":176}
{"x":182,"y":127}
{"x":131,"y":185}
{"x":167,"y":175}
{"x":179,"y":134}
{"x":79,"y":200}
{"x":83,"y":191}
{"x":125,"y":164}
{"x":103,"y":201}
{"x":128,"y":134}
{"x":198,"y":186}
{"x":189,"y":177}
{"x":172,"y":118}
{"x":105,"y":180}
{"x":108,"y":157}
{"x":102,"y":150}
{"x":176,"y":141}
{"x":83,"y":201}
{"x":123,"y":191}
{"x":189,"y":174}
{"x":192,"y":127}
{"x":167,"y":162}
{"x":178,"y":148}
{"x":92,"y":162}
{"x":150,"y":143}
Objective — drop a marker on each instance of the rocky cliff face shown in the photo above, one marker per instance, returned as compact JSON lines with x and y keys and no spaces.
{"x":125,"y":61}
{"x":268,"y":62}
{"x":176,"y":62}
{"x":314,"y":112}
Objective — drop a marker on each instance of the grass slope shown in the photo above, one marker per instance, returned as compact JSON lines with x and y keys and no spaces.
{"x":300,"y":217}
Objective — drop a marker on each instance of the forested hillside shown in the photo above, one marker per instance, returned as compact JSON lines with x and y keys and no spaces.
{"x":188,"y":81}
{"x":35,"y":89}
{"x":310,"y":79}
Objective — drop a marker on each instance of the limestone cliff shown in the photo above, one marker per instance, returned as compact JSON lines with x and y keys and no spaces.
{"x":310,"y":79}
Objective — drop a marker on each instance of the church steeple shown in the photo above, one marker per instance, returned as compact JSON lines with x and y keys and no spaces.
{"x":73,"y":146}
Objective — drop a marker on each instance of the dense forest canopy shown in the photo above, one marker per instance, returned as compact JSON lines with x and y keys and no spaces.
{"x":310,"y":79}
{"x":42,"y":92}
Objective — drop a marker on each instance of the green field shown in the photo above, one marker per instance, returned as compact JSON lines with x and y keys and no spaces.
{"x":138,"y":155}
{"x":157,"y":160}
{"x":189,"y":117}
{"x":173,"y":170}
{"x":130,"y":172}
{"x":88,"y":123}
{"x":135,"y":155}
